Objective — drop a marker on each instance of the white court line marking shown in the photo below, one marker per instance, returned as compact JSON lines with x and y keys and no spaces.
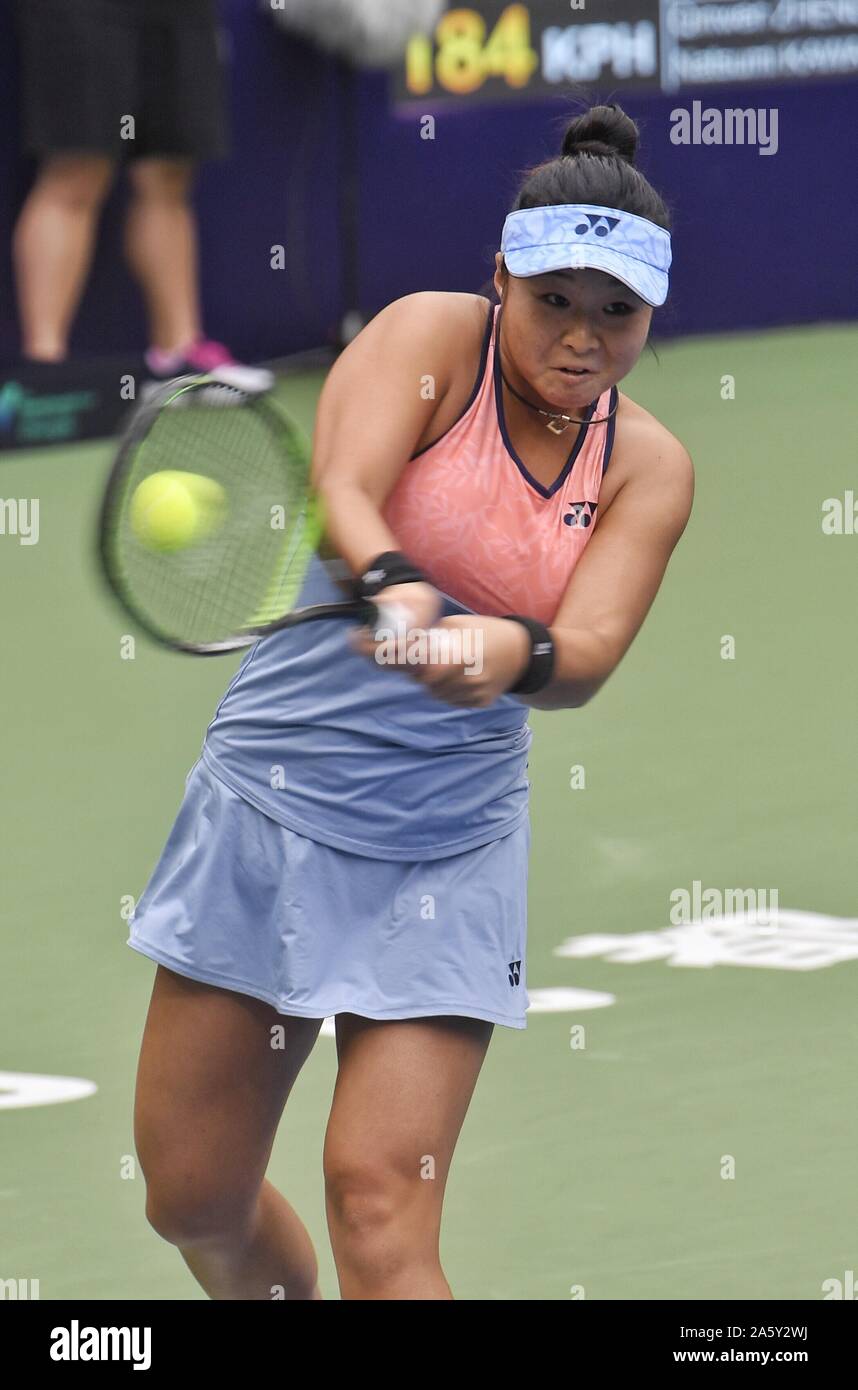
{"x":19,"y":1089}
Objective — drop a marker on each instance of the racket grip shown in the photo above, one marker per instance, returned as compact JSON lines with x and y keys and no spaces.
{"x":387,"y":615}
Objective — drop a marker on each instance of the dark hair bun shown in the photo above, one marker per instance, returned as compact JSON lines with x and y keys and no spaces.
{"x":603,"y":130}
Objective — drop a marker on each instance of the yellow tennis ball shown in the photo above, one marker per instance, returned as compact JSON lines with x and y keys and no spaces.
{"x":173,"y":509}
{"x":209,"y":499}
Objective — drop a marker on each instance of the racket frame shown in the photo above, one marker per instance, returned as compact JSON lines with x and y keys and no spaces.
{"x":368,"y":613}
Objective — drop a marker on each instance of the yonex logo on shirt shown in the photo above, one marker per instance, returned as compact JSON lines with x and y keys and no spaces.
{"x":580,"y":513}
{"x":514,"y":969}
{"x":597,"y":224}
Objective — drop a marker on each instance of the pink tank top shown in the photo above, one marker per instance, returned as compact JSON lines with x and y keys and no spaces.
{"x":468,"y":513}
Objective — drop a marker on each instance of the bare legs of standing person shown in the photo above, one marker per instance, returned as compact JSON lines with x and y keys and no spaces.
{"x":52,"y":248}
{"x":161,"y":247}
{"x":55,"y":237}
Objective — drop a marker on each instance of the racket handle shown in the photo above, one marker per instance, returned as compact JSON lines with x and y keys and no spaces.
{"x":379,"y":614}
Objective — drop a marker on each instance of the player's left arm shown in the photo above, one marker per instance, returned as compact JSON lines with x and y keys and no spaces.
{"x":618,"y":576}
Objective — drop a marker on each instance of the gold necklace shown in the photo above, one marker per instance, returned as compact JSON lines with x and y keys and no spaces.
{"x":558,"y":415}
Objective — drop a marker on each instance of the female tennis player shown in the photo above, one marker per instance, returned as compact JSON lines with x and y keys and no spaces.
{"x":353,"y":841}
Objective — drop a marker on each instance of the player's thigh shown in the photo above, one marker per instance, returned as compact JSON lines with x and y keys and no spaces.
{"x":215,"y":1070}
{"x":402,"y":1092}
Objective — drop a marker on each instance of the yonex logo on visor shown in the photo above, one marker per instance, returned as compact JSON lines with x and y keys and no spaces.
{"x":573,"y":236}
{"x":600,"y":226}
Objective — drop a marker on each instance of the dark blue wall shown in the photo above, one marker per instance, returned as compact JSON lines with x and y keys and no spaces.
{"x":759,"y":240}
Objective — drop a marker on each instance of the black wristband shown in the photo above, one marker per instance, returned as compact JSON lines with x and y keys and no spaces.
{"x":391,"y":567}
{"x":541,"y":665}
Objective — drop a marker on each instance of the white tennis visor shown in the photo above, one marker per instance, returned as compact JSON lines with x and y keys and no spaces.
{"x":577,"y":236}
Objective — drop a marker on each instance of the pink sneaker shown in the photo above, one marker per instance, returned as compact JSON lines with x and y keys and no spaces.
{"x":213,"y":358}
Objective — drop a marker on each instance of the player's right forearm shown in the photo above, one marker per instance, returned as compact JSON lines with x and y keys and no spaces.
{"x":355,"y":529}
{"x":357,"y":533}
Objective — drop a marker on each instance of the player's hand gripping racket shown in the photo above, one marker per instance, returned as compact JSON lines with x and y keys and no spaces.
{"x":209,"y":522}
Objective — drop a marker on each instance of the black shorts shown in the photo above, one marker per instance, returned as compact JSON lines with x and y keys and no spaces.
{"x":125,"y":78}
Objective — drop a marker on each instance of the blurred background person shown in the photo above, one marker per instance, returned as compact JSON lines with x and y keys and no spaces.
{"x":106,"y":82}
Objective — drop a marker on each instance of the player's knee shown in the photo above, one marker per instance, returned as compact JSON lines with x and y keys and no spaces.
{"x":199,"y":1216}
{"x":371,"y":1211}
{"x":360,"y":1204}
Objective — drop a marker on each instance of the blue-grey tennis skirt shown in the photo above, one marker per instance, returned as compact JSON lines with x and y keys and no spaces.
{"x":240,"y":901}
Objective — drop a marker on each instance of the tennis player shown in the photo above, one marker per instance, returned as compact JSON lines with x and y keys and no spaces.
{"x":353,"y":841}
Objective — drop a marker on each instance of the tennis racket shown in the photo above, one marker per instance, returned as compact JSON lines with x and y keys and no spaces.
{"x":208,"y":523}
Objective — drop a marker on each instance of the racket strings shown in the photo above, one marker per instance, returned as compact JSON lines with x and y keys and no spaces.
{"x":246,"y":570}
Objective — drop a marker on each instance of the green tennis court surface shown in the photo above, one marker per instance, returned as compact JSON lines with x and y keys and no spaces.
{"x":595,"y":1167}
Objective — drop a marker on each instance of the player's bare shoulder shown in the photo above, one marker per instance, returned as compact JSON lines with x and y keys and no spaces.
{"x":442,"y":306}
{"x":450,"y":329}
{"x":454,"y":321}
{"x":645,"y":449}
